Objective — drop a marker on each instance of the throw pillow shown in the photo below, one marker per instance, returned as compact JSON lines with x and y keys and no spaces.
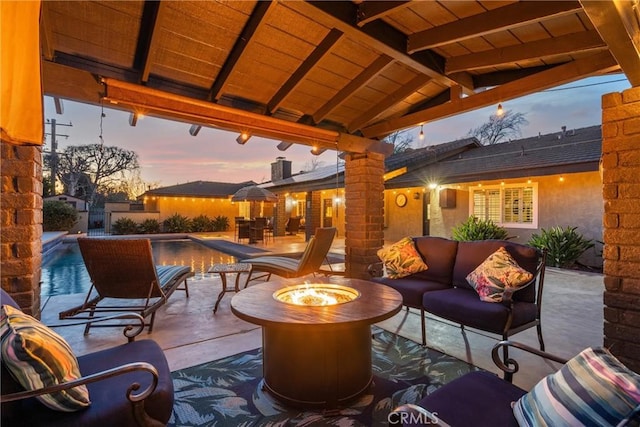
{"x":497,"y":273}
{"x":38,"y":357}
{"x":401,"y":259}
{"x":592,"y":389}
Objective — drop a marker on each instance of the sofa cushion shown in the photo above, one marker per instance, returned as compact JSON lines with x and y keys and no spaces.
{"x":593,"y":388}
{"x":464,"y":306}
{"x":109,"y":403}
{"x":458,"y":403}
{"x":472,"y":254}
{"x":411,"y":288}
{"x":401,"y":259}
{"x":37,"y":357}
{"x":440,"y":254}
{"x":497,"y":273}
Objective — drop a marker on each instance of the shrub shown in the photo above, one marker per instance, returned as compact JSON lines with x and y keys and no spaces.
{"x":149,"y":226}
{"x":124,"y":226}
{"x":58,"y":216}
{"x":564,"y":245}
{"x":177,"y":223}
{"x":478,"y":229}
{"x":220,"y":223}
{"x":201,"y":223}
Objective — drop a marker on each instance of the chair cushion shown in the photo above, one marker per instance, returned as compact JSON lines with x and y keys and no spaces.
{"x":401,"y":259}
{"x":593,"y":388}
{"x":496,"y":273}
{"x":109,"y":405}
{"x":476,"y":399}
{"x":38,"y":357}
{"x":168,"y":274}
{"x":464,"y":306}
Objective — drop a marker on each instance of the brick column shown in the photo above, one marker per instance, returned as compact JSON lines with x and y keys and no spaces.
{"x":21,"y":171}
{"x":280,"y":216}
{"x":621,"y":194}
{"x":364,"y":209}
{"x":313,"y":212}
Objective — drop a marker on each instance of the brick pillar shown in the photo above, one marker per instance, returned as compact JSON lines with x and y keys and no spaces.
{"x":621,"y":194}
{"x":364,"y":209}
{"x":21,"y":201}
{"x":280,"y":215}
{"x":313,"y":217}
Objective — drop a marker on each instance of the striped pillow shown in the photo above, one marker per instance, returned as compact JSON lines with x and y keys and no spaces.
{"x":593,"y":388}
{"x":38,"y":357}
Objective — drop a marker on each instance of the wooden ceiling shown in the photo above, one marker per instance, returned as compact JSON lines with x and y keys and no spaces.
{"x":336,"y":74}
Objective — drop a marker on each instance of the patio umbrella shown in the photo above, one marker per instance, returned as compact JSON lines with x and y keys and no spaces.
{"x":253,"y":193}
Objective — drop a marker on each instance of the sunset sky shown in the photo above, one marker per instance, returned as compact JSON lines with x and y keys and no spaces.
{"x":169,"y":155}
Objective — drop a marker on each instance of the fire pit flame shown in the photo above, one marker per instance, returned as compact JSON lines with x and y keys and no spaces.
{"x":317,"y":294}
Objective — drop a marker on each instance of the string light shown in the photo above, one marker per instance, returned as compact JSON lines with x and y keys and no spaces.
{"x":500,"y":111}
{"x":421,"y":136}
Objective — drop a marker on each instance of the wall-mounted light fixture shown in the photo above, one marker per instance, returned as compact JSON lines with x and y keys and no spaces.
{"x":243,"y":137}
{"x":194,"y":129}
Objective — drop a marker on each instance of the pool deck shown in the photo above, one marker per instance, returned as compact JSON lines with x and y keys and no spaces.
{"x":190,"y":333}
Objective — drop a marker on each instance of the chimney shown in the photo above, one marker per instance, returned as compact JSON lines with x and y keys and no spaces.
{"x":280,"y":169}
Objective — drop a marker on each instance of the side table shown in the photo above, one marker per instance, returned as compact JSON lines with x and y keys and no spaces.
{"x":222,"y":270}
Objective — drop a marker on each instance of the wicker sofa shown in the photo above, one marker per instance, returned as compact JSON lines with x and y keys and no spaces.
{"x":443,"y":289}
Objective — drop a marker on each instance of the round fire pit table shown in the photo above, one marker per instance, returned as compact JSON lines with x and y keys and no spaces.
{"x":316,"y":356}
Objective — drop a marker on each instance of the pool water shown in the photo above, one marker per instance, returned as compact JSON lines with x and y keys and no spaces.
{"x":64,"y":272}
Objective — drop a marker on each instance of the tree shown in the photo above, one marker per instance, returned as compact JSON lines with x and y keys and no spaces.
{"x":500,"y":128}
{"x":401,"y":140}
{"x":86,"y":169}
{"x":312,"y":164}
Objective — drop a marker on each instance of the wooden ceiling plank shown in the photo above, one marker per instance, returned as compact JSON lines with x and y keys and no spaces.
{"x":361,"y":80}
{"x":61,"y":81}
{"x":388,"y":102}
{"x":46,"y":33}
{"x":500,"y":19}
{"x":599,"y":63}
{"x":130,"y":96}
{"x":577,"y":42}
{"x":369,"y":11}
{"x":378,"y":35}
{"x":261,"y":11}
{"x":618,"y":26}
{"x":307,"y":65}
{"x":147,"y":46}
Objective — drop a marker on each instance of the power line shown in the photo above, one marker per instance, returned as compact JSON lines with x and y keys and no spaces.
{"x":585,"y":85}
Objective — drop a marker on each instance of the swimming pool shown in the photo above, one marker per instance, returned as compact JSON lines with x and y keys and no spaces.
{"x":64,"y":272}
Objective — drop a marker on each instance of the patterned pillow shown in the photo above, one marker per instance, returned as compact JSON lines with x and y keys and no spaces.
{"x":498,"y":272}
{"x":401,"y":259}
{"x":38,"y":357}
{"x":592,"y":389}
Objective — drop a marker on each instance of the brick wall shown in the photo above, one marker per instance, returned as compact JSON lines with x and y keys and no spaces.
{"x":364,"y":190}
{"x":21,"y":225}
{"x":621,"y":194}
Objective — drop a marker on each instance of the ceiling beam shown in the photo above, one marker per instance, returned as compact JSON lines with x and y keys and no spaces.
{"x":305,"y":68}
{"x":389,"y":101}
{"x":60,"y":81}
{"x":500,"y":19}
{"x":562,"y":45}
{"x":258,"y":16}
{"x":378,"y":35}
{"x":46,"y":34}
{"x":369,"y":11}
{"x":599,"y":63}
{"x":444,"y":96}
{"x":498,"y":78}
{"x":134,"y":97}
{"x":618,"y":26}
{"x":148,"y":35}
{"x":367,"y":74}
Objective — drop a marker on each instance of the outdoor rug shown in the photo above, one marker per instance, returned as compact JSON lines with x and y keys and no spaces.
{"x":227,"y":392}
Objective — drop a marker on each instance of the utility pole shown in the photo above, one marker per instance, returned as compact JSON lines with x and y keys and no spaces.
{"x":54,"y":147}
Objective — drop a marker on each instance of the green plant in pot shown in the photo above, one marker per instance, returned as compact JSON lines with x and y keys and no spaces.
{"x":475,"y":228}
{"x":564,"y":245}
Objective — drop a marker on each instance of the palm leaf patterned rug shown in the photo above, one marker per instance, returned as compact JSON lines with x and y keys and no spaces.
{"x":227,"y":392}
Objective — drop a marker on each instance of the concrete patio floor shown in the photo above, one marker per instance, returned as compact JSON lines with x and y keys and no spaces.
{"x":190,"y":333}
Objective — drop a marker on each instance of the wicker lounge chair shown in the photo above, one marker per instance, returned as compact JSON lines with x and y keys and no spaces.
{"x":287,"y":266}
{"x":124,"y":270}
